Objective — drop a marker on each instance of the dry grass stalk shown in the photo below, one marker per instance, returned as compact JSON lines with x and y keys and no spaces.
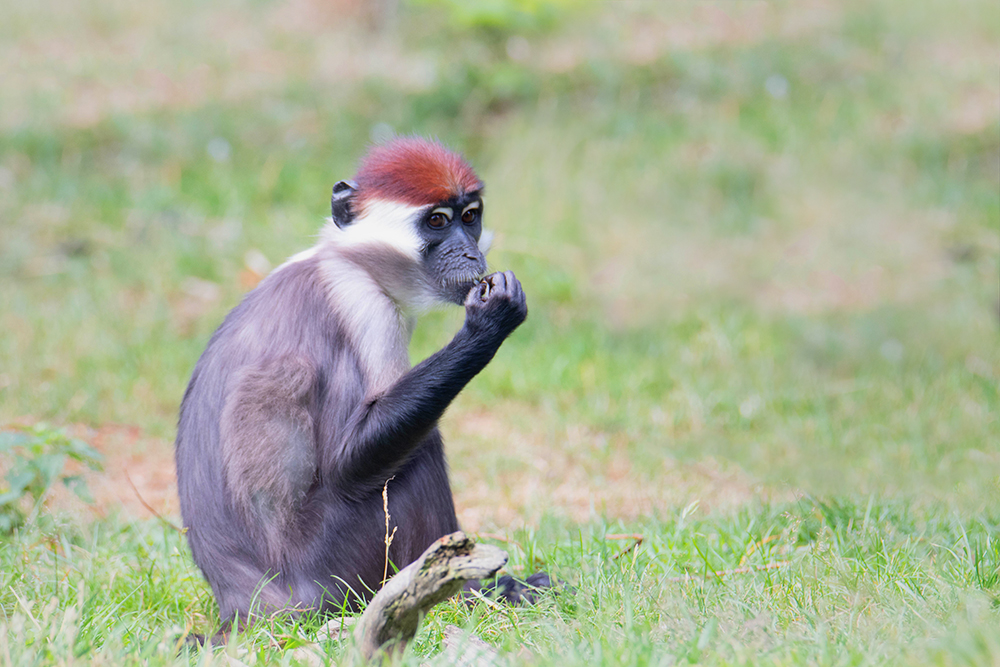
{"x":754,"y":546}
{"x":629,"y":548}
{"x":494,"y":536}
{"x":736,"y":570}
{"x":149,"y":507}
{"x":388,"y":535}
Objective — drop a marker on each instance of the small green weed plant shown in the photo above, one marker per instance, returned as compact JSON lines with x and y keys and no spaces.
{"x":37,"y":458}
{"x":505,"y":16}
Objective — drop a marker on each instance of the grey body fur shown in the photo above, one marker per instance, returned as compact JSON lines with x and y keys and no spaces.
{"x":271,"y":396}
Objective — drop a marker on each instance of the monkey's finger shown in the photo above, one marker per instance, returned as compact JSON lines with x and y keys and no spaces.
{"x":474,"y":293}
{"x":499,"y":281}
{"x":484,"y":289}
{"x":510,"y":282}
{"x":520,"y":299}
{"x":515,"y":284}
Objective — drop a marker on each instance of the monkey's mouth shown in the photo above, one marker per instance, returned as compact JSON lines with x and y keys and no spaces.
{"x":455,"y":288}
{"x":465,"y":279}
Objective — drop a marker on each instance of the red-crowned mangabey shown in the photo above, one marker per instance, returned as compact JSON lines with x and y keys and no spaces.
{"x":304,"y":402}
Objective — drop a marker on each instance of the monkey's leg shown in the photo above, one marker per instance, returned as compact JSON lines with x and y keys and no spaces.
{"x":269,"y":461}
{"x":268,"y":448}
{"x":513,"y":590}
{"x":248,"y":594}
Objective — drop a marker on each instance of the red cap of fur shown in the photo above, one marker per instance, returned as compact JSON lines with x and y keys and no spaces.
{"x":414,"y":171}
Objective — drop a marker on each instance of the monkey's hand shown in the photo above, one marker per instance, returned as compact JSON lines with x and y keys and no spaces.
{"x":495,"y":306}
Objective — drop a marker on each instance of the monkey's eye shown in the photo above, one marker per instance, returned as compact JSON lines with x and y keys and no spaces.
{"x":469,"y":216}
{"x":437,"y":220}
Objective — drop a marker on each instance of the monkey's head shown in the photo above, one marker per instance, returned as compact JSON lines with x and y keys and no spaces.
{"x":415,"y":208}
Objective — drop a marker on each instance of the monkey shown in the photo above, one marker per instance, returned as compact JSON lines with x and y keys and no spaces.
{"x":304,"y":403}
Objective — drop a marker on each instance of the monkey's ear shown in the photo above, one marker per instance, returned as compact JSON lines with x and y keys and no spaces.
{"x":340,"y":202}
{"x":485,"y":241}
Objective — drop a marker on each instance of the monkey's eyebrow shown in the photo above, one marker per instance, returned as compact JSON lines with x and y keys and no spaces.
{"x":445,"y":210}
{"x":471,"y":206}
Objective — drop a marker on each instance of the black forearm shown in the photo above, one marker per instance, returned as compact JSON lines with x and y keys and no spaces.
{"x":384,"y":430}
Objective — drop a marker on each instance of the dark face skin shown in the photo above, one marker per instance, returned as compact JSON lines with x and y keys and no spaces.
{"x":452,"y":258}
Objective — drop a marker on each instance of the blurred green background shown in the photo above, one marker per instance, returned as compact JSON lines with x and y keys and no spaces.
{"x":760,"y":241}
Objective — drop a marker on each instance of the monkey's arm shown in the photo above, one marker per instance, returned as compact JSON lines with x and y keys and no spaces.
{"x":385,"y":429}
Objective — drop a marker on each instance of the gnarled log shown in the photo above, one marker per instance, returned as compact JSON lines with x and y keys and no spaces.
{"x":392,"y":617}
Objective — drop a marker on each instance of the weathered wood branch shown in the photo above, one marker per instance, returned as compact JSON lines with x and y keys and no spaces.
{"x":392,"y":617}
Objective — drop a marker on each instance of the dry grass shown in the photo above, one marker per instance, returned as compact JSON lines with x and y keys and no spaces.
{"x":506,"y":475}
{"x":138,"y":471}
{"x":577,"y":475}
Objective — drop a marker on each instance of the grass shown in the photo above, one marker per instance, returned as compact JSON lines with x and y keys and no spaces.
{"x":760,"y":245}
{"x":817,"y":582}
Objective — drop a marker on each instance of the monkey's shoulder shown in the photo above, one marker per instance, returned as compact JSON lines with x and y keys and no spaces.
{"x":289,"y":307}
{"x":286,"y":317}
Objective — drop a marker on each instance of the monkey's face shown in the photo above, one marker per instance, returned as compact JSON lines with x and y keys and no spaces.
{"x":414,"y":219}
{"x":452,"y":257}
